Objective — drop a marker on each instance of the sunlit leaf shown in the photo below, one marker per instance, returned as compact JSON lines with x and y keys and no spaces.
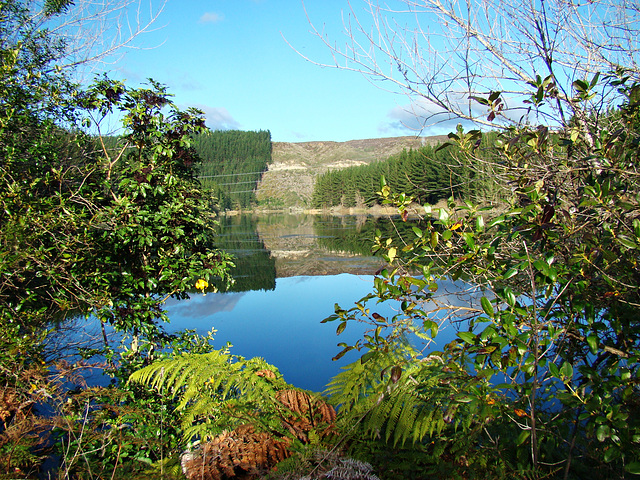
{"x":523,"y":437}
{"x":566,"y":371}
{"x":467,"y":337}
{"x":487,"y":307}
{"x":434,"y":239}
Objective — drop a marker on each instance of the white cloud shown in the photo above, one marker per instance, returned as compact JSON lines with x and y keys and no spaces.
{"x":211,"y":17}
{"x":419,"y":118}
{"x":218,"y":118}
{"x":426,"y":118}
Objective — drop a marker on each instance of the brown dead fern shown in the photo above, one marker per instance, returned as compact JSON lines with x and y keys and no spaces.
{"x":305,"y":413}
{"x":246,"y":454}
{"x":240,"y":454}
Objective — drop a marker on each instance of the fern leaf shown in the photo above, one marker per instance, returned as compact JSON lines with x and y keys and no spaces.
{"x":216,"y":390}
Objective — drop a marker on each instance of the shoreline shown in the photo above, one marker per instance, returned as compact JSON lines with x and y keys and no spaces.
{"x":336,"y":211}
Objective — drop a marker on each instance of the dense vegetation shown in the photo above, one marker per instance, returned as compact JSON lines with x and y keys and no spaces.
{"x":540,"y":379}
{"x":87,"y":230}
{"x":232,"y":164}
{"x":428,"y":174}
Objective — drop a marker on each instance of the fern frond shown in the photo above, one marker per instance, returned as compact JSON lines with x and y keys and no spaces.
{"x":359,"y":381}
{"x":216,"y":390}
{"x":428,"y":398}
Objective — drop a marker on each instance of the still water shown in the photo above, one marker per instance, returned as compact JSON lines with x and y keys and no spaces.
{"x":281,"y":325}
{"x":291,"y":271}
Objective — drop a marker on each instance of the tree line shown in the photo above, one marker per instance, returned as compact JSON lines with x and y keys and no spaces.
{"x":427,"y":174}
{"x":232,"y":164}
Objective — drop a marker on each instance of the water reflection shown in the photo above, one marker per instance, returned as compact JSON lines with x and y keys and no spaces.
{"x":281,"y":325}
{"x":291,"y":271}
{"x":267,"y":247}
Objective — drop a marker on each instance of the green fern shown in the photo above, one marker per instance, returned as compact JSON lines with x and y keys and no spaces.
{"x":217,"y":391}
{"x":429,"y":397}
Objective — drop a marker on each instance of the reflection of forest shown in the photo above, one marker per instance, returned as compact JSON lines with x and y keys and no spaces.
{"x":267,"y":247}
{"x":255,"y":269}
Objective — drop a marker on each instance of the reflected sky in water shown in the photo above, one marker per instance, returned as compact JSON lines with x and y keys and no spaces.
{"x":283,"y":325}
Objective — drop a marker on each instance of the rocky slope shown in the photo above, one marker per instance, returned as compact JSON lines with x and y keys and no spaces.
{"x":291,"y":175}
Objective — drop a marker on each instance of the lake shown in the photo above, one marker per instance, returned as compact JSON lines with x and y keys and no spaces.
{"x":291,"y":271}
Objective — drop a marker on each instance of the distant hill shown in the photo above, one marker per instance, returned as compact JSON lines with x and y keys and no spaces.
{"x":291,"y":175}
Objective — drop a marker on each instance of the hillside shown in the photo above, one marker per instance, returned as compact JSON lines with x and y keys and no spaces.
{"x":291,"y":175}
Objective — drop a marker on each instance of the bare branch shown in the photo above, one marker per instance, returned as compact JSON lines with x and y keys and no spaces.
{"x":96,"y":33}
{"x":442,"y":52}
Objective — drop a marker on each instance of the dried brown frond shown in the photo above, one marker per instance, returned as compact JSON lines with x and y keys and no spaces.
{"x":240,"y":454}
{"x":306,"y":413}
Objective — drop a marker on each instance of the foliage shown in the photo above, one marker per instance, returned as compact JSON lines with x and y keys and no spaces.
{"x":319,"y":464}
{"x":104,"y":231}
{"x":428,"y":174}
{"x":548,"y":352}
{"x":233,"y":162}
{"x":90,"y":225}
{"x":122,"y":427}
{"x":218,"y":391}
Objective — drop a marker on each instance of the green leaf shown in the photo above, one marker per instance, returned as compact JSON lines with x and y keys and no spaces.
{"x":510,"y":273}
{"x":480,"y":100}
{"x":341,"y":328}
{"x":592,"y":341}
{"x":487,"y":307}
{"x":509,"y":297}
{"x":463,"y":398}
{"x":633,"y":468}
{"x":366,"y":357}
{"x":468,"y":238}
{"x":432,"y":326}
{"x":523,"y":437}
{"x":603,"y":432}
{"x":467,"y":337}
{"x":434,"y":239}
{"x":330,"y":318}
{"x":496,"y":221}
{"x":626,"y":241}
{"x":566,"y":371}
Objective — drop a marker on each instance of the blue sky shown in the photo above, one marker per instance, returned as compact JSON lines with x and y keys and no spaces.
{"x":230,"y":59}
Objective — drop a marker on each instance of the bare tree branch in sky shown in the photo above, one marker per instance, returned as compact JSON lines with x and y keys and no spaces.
{"x":443,"y":53}
{"x":97,"y":32}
